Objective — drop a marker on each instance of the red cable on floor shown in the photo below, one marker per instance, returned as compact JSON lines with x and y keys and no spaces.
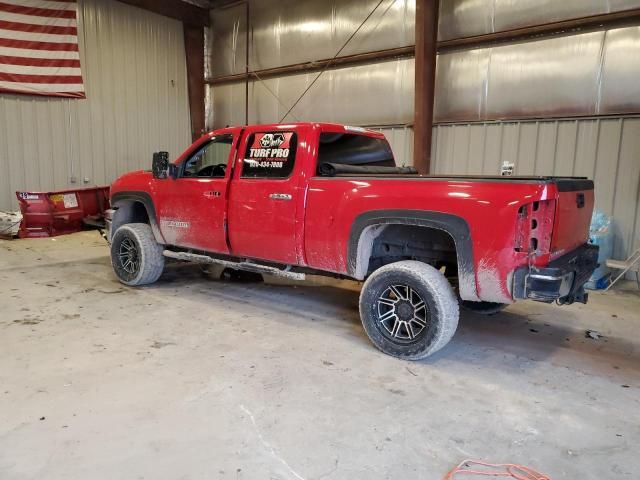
{"x":510,"y":470}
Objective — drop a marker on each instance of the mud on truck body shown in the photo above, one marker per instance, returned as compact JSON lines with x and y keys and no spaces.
{"x":328,"y":199}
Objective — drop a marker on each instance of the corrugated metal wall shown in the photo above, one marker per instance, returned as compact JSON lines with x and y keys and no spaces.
{"x":292,"y":31}
{"x":280,"y":28}
{"x":384,"y":96}
{"x":604,"y":149}
{"x":467,"y":18}
{"x":134,"y":69}
{"x":575,"y":75}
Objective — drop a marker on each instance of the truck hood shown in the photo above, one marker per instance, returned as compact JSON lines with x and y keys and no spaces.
{"x":135,"y":174}
{"x":138,"y":180}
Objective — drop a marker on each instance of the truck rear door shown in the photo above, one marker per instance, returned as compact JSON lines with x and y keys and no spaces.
{"x":264,"y":195}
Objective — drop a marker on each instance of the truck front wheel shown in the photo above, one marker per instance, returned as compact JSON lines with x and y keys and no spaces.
{"x":408,"y":309}
{"x":135,"y":255}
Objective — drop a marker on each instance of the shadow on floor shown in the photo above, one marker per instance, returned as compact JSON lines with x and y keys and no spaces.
{"x":533,"y":337}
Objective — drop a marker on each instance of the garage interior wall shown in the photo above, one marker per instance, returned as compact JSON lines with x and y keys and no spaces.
{"x":134,"y":71}
{"x":562,"y":105}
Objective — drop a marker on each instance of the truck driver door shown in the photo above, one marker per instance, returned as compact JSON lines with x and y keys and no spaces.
{"x":192,"y":208}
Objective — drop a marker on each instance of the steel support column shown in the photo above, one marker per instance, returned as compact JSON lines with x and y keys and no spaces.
{"x":425,"y":79}
{"x":194,"y":49}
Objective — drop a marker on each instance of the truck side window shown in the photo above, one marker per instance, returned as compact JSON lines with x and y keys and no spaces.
{"x":270,"y":155}
{"x":211,"y":160}
{"x":354,"y":149}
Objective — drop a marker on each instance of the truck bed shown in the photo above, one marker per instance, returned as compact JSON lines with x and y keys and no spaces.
{"x":564,"y":184}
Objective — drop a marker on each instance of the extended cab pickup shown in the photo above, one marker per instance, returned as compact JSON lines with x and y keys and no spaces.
{"x":328,"y":199}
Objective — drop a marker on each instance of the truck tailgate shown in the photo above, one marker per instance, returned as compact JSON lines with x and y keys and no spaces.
{"x":573,"y":215}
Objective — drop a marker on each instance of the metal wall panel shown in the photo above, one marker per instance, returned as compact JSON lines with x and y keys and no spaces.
{"x":461,"y":85}
{"x":620,"y":88}
{"x":380,"y":93}
{"x":295,"y":31}
{"x":279,"y":29}
{"x":466,"y":18}
{"x":134,"y":70}
{"x":605,"y":149}
{"x":510,"y":14}
{"x":577,"y":75}
{"x":226,"y":42}
{"x":532,"y":79}
{"x":228,"y":105}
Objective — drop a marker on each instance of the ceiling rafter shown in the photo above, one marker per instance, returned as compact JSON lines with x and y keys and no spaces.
{"x":187,"y":13}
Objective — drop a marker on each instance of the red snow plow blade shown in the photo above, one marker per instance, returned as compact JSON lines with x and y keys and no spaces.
{"x":48,"y":214}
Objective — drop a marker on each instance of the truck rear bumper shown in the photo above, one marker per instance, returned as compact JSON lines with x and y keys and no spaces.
{"x":562,"y":280}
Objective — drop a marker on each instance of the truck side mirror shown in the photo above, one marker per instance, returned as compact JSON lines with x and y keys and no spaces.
{"x":160,"y":165}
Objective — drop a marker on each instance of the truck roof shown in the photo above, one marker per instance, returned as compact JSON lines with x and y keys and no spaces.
{"x":326,"y":126}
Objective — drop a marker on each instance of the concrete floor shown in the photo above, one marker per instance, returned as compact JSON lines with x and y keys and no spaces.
{"x":200,"y":379}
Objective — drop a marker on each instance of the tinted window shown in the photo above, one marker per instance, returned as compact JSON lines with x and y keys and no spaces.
{"x":211,"y":160}
{"x":354,"y":149}
{"x":270,"y":155}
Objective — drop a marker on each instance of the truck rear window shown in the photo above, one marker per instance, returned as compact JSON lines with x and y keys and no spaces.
{"x":354,"y":149}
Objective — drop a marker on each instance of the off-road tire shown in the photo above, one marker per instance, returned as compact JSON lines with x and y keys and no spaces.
{"x":150,"y":261}
{"x":429,"y":286}
{"x":483,"y":308}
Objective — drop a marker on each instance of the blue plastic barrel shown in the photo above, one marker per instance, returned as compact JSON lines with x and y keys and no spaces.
{"x":600,"y":234}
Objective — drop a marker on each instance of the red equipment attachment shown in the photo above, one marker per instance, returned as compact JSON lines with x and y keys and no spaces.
{"x":48,"y":214}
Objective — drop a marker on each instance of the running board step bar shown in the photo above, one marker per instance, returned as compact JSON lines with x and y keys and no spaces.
{"x":246,"y":266}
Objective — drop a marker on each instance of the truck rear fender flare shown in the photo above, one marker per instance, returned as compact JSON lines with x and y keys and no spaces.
{"x":128,"y":205}
{"x":370,"y":225}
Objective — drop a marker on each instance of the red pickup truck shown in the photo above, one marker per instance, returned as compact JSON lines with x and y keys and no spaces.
{"x":316,"y":198}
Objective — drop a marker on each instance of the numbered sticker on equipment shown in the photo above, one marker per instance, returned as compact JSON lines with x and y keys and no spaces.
{"x":70,"y":200}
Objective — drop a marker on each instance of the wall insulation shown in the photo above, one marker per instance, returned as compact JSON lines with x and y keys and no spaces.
{"x":384,"y":96}
{"x":576,"y":75}
{"x":467,"y":18}
{"x":293,"y":31}
{"x":279,"y":30}
{"x":134,"y":70}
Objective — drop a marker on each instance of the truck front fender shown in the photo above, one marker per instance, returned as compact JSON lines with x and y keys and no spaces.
{"x":125,"y":204}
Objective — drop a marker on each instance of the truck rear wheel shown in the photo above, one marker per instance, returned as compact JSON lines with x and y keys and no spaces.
{"x":135,"y":255}
{"x":483,"y":308}
{"x":408,"y":309}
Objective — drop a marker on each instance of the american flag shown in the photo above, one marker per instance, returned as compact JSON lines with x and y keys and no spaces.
{"x":39,"y":48}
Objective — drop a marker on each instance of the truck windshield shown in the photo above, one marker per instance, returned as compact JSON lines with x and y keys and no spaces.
{"x":354,"y":149}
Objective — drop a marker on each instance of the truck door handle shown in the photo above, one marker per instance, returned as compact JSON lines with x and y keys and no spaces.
{"x":280,"y":196}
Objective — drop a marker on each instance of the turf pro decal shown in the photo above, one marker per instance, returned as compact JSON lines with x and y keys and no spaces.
{"x":270,"y":149}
